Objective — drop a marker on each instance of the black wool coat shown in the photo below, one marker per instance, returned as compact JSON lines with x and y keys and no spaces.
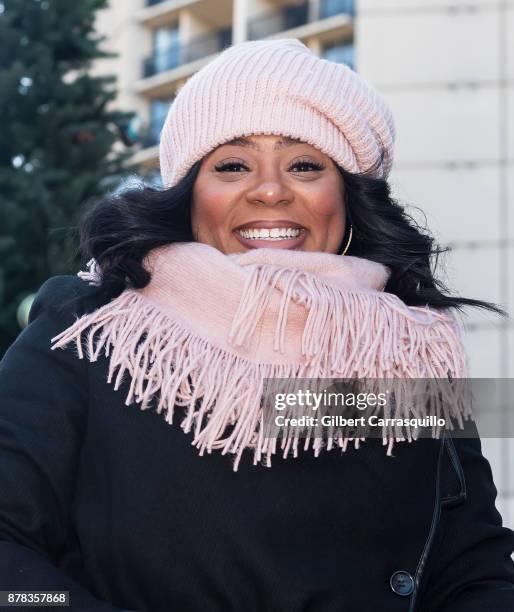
{"x":115,"y":505}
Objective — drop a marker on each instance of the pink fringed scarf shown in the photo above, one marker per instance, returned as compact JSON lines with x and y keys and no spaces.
{"x":209,"y":327}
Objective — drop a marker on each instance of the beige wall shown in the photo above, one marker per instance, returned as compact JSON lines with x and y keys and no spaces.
{"x":132,"y":42}
{"x":447,"y":67}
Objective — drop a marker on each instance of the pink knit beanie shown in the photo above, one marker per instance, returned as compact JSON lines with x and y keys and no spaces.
{"x":277,"y":87}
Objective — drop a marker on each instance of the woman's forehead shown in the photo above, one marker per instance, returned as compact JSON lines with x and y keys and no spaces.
{"x":254,"y":140}
{"x":259,"y":142}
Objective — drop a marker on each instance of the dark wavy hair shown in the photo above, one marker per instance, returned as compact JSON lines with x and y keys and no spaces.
{"x":120,"y":229}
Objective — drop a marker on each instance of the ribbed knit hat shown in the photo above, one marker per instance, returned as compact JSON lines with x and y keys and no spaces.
{"x":277,"y":87}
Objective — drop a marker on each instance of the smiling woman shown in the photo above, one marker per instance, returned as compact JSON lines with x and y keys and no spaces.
{"x":268,"y":192}
{"x":137,"y":470}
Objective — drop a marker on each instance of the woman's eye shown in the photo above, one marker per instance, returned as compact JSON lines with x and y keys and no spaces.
{"x":308,"y":164}
{"x":229,"y":167}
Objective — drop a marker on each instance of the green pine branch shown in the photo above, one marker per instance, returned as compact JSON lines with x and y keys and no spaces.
{"x":56,"y":142}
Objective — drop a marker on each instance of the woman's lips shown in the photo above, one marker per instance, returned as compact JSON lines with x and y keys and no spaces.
{"x":259,"y":243}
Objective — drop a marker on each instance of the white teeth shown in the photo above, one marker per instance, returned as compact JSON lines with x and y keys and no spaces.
{"x":275,"y":233}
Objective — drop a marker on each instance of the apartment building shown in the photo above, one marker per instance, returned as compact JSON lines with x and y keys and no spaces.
{"x":163,"y":42}
{"x":446,"y":68}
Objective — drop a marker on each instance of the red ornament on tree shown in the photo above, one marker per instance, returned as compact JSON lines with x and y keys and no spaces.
{"x":83,"y":136}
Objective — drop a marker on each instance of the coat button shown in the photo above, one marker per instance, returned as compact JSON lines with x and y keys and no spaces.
{"x":402,"y":583}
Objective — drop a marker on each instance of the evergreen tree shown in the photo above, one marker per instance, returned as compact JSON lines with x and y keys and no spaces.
{"x":57,"y":152}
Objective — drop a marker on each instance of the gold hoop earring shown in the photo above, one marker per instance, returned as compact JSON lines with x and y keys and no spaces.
{"x":349,"y":239}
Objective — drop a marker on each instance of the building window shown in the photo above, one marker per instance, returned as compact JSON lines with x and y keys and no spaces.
{"x":158,"y":111}
{"x":206,"y":44}
{"x":342,"y":52}
{"x":279,"y":20}
{"x":328,"y":8}
{"x":166,"y":48}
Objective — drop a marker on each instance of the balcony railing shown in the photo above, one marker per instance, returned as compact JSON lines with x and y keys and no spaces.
{"x":178,"y":55}
{"x":294,"y":16}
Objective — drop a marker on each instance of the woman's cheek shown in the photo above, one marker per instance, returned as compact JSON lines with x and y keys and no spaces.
{"x":327,"y":208}
{"x":325,"y":200}
{"x":211,"y":210}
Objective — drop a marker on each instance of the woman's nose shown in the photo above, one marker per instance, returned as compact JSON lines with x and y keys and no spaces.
{"x":270,"y":193}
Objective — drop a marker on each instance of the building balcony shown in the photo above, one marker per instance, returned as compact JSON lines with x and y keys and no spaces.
{"x":179,"y":54}
{"x":212,"y":13}
{"x":295,"y":16}
{"x":168,"y":4}
{"x":325,"y":19}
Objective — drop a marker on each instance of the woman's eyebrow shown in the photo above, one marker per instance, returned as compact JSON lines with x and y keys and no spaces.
{"x":286,"y":141}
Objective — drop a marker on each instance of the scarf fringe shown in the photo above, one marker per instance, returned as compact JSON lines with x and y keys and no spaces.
{"x":393,"y":333}
{"x":218,"y":388}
